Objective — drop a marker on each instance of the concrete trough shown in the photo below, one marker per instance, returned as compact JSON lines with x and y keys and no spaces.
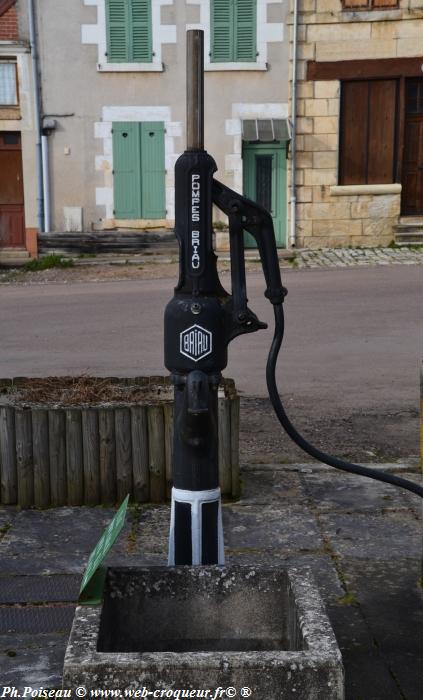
{"x":188,"y":628}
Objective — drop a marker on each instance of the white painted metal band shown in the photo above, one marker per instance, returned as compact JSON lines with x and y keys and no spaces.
{"x":184,"y":496}
{"x":196,"y":500}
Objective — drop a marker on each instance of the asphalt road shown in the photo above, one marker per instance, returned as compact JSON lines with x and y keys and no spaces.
{"x":354,"y":337}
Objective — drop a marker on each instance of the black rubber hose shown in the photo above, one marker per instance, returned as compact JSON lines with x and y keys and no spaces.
{"x":298,"y":438}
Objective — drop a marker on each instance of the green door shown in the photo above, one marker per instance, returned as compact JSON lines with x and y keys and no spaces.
{"x":139,"y":170}
{"x":265,"y":182}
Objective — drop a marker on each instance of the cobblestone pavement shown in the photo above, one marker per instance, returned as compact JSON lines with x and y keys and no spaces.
{"x":352,"y":257}
{"x":360,"y":538}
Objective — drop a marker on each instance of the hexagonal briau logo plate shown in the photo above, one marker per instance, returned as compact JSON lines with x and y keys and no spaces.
{"x":196,"y":343}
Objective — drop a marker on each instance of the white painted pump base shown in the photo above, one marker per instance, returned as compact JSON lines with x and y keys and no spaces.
{"x":196,"y":499}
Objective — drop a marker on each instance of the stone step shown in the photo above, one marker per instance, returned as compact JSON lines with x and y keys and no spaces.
{"x":413,"y":220}
{"x":14,"y":253}
{"x":409,"y":234}
{"x":13,"y":257}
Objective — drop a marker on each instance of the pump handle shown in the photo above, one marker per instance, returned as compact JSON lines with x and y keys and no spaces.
{"x":246,"y":215}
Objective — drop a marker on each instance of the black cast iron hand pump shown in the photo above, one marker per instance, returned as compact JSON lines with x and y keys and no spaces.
{"x":201,"y":320}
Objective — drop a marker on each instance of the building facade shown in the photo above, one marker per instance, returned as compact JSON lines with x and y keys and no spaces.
{"x":113,"y":105}
{"x":99,"y":152}
{"x":18,"y":192}
{"x":359,"y":129}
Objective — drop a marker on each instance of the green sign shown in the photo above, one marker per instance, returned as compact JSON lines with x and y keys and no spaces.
{"x":103,"y":547}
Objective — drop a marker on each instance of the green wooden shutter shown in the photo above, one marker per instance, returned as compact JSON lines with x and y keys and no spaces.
{"x":222,"y":22}
{"x":153,"y":170}
{"x":129,"y":31}
{"x":139,"y":170}
{"x":245,"y":30}
{"x":117,"y":31}
{"x":126,"y":170}
{"x":141,"y":31}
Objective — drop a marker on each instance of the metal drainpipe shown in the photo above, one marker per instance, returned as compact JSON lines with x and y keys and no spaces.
{"x":37,"y":109}
{"x":293,"y":200}
{"x":46,"y":182}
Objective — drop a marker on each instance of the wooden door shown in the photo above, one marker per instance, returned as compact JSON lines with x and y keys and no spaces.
{"x":265,"y":183}
{"x":412,"y":177}
{"x":12,"y":221}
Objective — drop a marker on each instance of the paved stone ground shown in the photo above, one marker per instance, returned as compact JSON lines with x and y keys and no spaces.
{"x":351,"y":257}
{"x":361,"y":539}
{"x":324,"y":257}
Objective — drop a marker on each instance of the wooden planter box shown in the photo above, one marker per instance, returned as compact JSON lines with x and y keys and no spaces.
{"x":91,"y":454}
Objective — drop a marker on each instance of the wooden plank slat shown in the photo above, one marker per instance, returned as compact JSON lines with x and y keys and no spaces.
{"x":157,"y":455}
{"x":354,"y":133}
{"x":91,"y":452}
{"x":168,"y":409}
{"x":106,"y":429}
{"x":355,"y":3}
{"x":382,"y":123}
{"x":235,"y":414}
{"x":74,"y":457}
{"x":140,"y":462}
{"x":24,"y":460}
{"x":381,"y":4}
{"x":400,"y":135}
{"x":123,"y":453}
{"x":364,"y":68}
{"x":9,"y":477}
{"x":57,"y":457}
{"x":40,"y":449}
{"x":225,"y":471}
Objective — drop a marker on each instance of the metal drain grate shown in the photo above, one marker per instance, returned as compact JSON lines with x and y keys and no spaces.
{"x":58,"y":588}
{"x":36,"y":620}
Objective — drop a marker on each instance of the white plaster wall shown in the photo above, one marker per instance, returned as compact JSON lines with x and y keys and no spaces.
{"x":86,"y":100}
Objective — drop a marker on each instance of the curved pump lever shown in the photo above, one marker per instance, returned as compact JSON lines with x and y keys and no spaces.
{"x":246,"y":215}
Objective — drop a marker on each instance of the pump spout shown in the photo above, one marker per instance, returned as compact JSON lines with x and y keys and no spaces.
{"x":194,"y":420}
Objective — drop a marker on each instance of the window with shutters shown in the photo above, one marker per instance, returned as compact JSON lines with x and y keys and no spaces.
{"x":368,"y":132}
{"x":369,"y":4}
{"x":233,"y":31}
{"x":129,"y":31}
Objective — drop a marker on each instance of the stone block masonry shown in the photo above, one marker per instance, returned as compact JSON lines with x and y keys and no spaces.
{"x":327,"y":216}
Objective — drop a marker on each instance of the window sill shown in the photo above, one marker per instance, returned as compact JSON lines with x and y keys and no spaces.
{"x":235,"y":66}
{"x":377,"y":15}
{"x":11,"y":113}
{"x":135,"y":224}
{"x":10,"y":48}
{"x":368,"y":13}
{"x":130,"y":67}
{"x":342,"y":190}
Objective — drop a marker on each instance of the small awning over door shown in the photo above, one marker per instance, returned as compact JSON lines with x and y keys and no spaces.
{"x":266,"y":130}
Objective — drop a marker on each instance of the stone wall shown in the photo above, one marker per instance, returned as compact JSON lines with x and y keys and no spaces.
{"x":328,"y":215}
